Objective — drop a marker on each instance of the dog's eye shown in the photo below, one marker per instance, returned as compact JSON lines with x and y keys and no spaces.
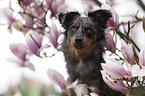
{"x":73,"y":28}
{"x":90,"y":30}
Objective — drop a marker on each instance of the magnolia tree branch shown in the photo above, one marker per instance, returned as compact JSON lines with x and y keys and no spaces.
{"x":141,"y":4}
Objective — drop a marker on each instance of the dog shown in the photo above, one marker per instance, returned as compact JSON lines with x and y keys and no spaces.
{"x":83,"y":47}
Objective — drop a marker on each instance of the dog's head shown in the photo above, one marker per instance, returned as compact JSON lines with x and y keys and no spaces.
{"x":83,"y":32}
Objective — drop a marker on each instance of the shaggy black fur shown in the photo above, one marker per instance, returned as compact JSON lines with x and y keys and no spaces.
{"x":84,"y":65}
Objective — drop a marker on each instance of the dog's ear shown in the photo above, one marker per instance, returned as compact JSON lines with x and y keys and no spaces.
{"x":100,"y":16}
{"x":66,"y":19}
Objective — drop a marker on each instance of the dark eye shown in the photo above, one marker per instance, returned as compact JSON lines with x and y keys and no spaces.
{"x":73,"y":28}
{"x":90,"y":30}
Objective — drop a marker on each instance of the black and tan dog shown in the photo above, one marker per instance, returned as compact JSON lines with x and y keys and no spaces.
{"x":83,"y":48}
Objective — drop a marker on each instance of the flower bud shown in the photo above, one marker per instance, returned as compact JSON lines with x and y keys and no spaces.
{"x":54,"y":34}
{"x":142,"y":57}
{"x":127,"y":51}
{"x":57,"y":78}
{"x":19,"y":50}
{"x":34,"y":42}
{"x":114,"y":20}
{"x":110,"y":43}
{"x":9,"y":14}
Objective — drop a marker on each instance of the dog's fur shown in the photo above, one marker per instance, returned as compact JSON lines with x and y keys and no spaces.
{"x":83,"y":47}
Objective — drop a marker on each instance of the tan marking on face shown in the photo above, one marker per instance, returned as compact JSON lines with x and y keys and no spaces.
{"x":87,"y":26}
{"x":81,"y":54}
{"x":77,"y":24}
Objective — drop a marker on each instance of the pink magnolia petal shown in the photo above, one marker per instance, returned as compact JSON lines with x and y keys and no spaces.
{"x":54,"y":34}
{"x":9,"y":14}
{"x":110,"y":43}
{"x":57,"y":78}
{"x":17,"y":61}
{"x":34,"y":41}
{"x":116,"y":85}
{"x":29,"y":21}
{"x":114,"y":20}
{"x":48,"y":2}
{"x":25,"y":2}
{"x":127,"y":51}
{"x":142,"y":57}
{"x":115,"y":69}
{"x":54,"y":7}
{"x":94,"y":94}
{"x":19,"y":50}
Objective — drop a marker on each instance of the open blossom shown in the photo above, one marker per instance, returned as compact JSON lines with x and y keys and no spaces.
{"x":57,"y":78}
{"x":54,"y":34}
{"x":113,"y":74}
{"x":34,"y":41}
{"x":110,"y":43}
{"x":114,"y":20}
{"x":127,"y":51}
{"x":116,"y":85}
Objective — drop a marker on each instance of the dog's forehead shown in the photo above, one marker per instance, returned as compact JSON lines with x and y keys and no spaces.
{"x":84,"y":20}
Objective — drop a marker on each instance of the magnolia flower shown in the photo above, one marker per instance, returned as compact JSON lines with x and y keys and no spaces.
{"x":110,"y":43}
{"x":57,"y":78}
{"x":34,"y":42}
{"x":127,"y":51}
{"x":54,"y":34}
{"x":37,"y":12}
{"x":54,"y":5}
{"x":9,"y":15}
{"x":114,"y":69}
{"x":116,"y":85}
{"x":19,"y":50}
{"x":114,"y":20}
{"x":114,"y":73}
{"x":142,"y":57}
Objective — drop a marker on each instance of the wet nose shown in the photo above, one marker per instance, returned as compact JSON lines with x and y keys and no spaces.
{"x":78,"y":40}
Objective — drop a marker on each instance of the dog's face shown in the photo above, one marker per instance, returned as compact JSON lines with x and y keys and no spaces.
{"x":83,"y":32}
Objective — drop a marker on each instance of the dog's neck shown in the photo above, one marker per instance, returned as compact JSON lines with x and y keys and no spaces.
{"x":76,"y":56}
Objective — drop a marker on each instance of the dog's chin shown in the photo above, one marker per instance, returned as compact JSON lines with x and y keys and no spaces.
{"x":79,"y":46}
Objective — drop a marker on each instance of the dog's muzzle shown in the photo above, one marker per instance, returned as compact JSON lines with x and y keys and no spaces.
{"x":78,"y":44}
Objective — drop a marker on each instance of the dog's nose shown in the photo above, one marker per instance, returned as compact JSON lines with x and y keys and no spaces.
{"x":78,"y":40}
